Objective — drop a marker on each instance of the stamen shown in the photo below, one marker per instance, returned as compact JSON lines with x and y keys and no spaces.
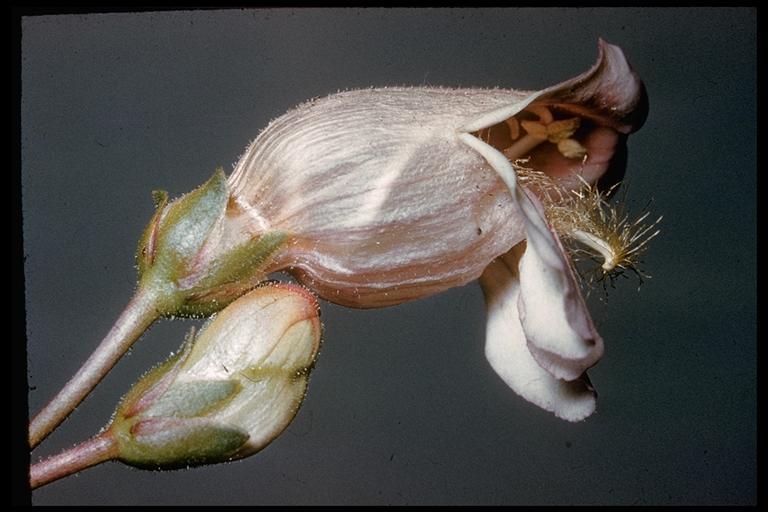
{"x":522,"y":147}
{"x":514,"y":128}
{"x":543,"y":113}
{"x":570,"y":148}
{"x":535,"y":129}
{"x":557,"y":132}
{"x":563,"y":129}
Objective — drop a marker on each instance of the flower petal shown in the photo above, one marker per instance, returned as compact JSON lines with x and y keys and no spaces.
{"x":610,"y":92}
{"x":557,"y":324}
{"x":274,"y":325}
{"x":611,"y":101}
{"x":380,"y":200}
{"x":602,"y":145}
{"x":506,"y":350}
{"x":232,"y":390}
{"x":554,"y":317}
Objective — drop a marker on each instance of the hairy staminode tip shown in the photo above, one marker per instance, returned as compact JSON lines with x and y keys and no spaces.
{"x":588,"y":216}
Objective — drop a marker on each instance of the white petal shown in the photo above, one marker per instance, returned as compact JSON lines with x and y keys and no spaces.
{"x":273,"y":325}
{"x":507,"y":352}
{"x":267,"y":340}
{"x":555,"y":319}
{"x":381,"y":200}
{"x":557,"y":324}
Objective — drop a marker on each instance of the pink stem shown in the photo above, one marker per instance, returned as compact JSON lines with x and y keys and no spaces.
{"x":96,"y":450}
{"x":135,"y":319}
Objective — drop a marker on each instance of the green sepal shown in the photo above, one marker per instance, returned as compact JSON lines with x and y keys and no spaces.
{"x":162,"y":424}
{"x":187,"y":277}
{"x":171,"y":443}
{"x":194,"y":398}
{"x":185,"y":226}
{"x":231,"y":276}
{"x":175,"y":236}
{"x":145,"y":254}
{"x":154,"y":382}
{"x":240,"y":263}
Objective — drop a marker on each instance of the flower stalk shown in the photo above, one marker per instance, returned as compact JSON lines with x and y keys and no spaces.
{"x":95,"y":450}
{"x":135,"y":319}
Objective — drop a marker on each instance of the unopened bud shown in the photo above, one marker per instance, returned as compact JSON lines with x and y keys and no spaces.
{"x":195,"y":259}
{"x":230,"y":390}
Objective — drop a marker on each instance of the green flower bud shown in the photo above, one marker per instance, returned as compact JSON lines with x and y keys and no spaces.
{"x":230,"y":390}
{"x":194,"y":258}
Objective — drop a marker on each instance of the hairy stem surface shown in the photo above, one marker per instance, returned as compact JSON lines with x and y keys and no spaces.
{"x":134,"y":320}
{"x":96,"y":450}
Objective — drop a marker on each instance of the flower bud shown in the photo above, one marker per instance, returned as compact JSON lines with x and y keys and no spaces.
{"x":194,"y":258}
{"x":230,"y":390}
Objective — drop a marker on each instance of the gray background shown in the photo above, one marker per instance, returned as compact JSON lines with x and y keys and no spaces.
{"x":403,"y":407}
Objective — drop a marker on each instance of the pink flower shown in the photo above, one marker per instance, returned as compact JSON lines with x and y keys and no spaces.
{"x":379,"y":196}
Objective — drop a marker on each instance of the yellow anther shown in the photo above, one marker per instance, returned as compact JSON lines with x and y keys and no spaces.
{"x":562,"y":129}
{"x":570,"y":148}
{"x":557,"y":132}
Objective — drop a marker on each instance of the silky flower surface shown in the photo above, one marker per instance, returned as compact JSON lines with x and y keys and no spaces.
{"x":383,"y":200}
{"x":379,"y":196}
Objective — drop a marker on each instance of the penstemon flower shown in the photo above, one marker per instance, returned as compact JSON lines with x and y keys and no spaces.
{"x":388,"y":195}
{"x":375,"y":197}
